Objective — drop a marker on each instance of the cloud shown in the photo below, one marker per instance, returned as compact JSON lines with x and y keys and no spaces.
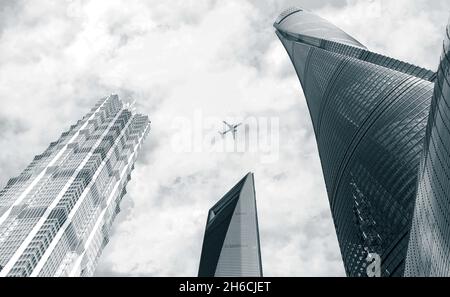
{"x":177,"y":58}
{"x":411,"y":31}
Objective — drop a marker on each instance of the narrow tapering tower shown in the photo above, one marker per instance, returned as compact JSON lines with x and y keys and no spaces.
{"x":55,"y":217}
{"x":231,"y":242}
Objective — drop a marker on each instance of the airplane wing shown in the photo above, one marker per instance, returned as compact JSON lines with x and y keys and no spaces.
{"x":229,"y":126}
{"x":235,"y":126}
{"x":225,"y":132}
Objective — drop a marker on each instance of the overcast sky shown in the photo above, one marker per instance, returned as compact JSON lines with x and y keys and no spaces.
{"x":178,"y":58}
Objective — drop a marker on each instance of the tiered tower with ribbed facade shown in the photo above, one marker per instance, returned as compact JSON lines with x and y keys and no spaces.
{"x":55,"y":217}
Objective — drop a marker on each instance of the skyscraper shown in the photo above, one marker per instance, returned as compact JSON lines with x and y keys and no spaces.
{"x":429,"y":244}
{"x":55,"y":217}
{"x":369,"y":114}
{"x":231,"y":242}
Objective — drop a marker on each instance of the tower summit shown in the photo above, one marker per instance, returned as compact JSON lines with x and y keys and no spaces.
{"x":231,"y":243}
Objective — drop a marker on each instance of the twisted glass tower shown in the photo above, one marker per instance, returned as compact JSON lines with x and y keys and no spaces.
{"x":56,"y":215}
{"x":369,"y":114}
{"x":429,"y":245}
{"x":231,"y":244}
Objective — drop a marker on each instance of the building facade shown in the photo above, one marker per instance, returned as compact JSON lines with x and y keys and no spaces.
{"x":55,"y":217}
{"x":231,"y":245}
{"x":369,"y":113}
{"x":429,"y":244}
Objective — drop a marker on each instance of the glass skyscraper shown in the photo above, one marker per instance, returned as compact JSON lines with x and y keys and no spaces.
{"x":429,"y":244}
{"x":369,"y":114}
{"x":231,"y":243}
{"x":55,"y":217}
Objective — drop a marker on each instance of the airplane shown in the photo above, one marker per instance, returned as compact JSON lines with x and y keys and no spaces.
{"x":231,"y":128}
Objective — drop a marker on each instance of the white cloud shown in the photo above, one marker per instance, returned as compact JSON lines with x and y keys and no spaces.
{"x":407,"y":30}
{"x":175,"y":57}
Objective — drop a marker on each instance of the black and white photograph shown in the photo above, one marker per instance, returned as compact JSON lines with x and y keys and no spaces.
{"x":225,"y":145}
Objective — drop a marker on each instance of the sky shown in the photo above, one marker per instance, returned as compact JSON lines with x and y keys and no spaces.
{"x":189,"y":64}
